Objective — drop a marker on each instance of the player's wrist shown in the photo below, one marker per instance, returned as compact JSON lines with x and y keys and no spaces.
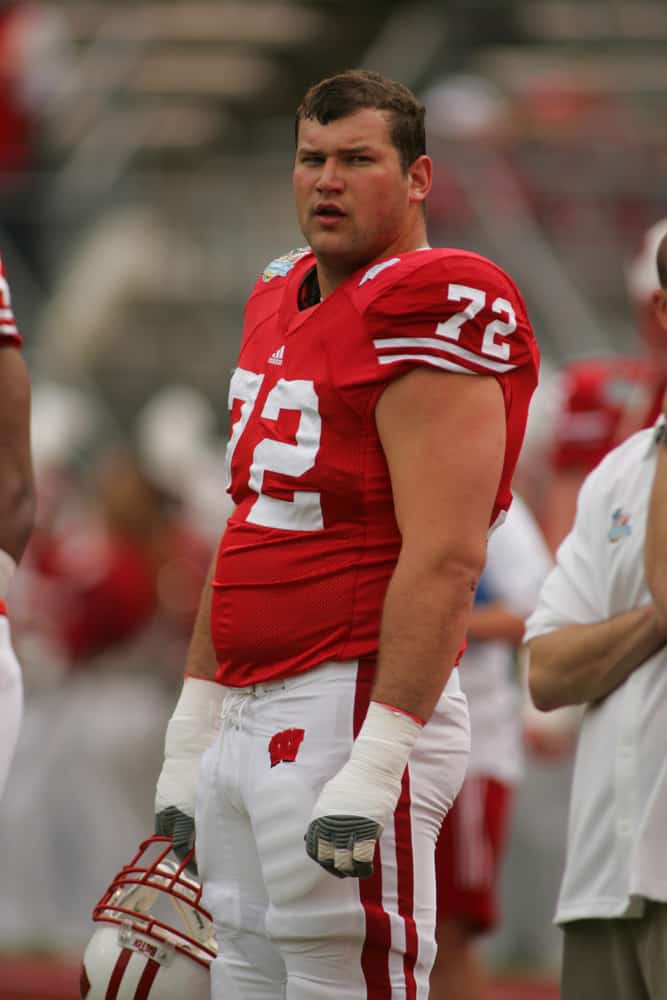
{"x":369,"y":784}
{"x":386,"y":739}
{"x":400,"y":711}
{"x":7,"y":570}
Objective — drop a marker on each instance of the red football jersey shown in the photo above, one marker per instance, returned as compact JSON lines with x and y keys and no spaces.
{"x":8,"y":332}
{"x":305,"y":560}
{"x":604,"y":400}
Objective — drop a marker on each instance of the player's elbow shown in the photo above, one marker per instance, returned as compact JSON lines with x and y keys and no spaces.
{"x":543,"y":692}
{"x":459,"y":559}
{"x":17,"y":512}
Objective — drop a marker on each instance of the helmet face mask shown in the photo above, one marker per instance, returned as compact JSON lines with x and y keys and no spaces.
{"x":154,"y":940}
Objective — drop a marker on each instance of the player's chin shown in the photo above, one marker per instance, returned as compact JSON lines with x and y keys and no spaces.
{"x":339,"y":249}
{"x":328,"y":238}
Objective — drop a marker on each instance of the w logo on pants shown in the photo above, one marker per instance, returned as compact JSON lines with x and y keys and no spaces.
{"x":284,"y":746}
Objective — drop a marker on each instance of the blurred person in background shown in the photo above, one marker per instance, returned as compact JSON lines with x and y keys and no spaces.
{"x":35,"y":61}
{"x":598,"y":637}
{"x":129,"y":562}
{"x":378,"y":409}
{"x":604,"y":400}
{"x":471,"y":845}
{"x":116,"y":554}
{"x":16,"y":511}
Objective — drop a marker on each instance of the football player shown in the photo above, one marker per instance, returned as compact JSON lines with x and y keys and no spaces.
{"x":16,"y":511}
{"x":377,"y":411}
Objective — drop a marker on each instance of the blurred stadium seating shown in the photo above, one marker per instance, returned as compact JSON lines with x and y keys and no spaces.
{"x":172,"y":125}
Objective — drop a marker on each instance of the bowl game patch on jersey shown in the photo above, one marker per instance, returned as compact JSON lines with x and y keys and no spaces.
{"x":280,"y":266}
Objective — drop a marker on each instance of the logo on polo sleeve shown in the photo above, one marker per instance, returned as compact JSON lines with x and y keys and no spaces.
{"x":620,"y":525}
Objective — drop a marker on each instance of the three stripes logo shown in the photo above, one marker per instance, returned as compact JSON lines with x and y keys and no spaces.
{"x":278,"y":356}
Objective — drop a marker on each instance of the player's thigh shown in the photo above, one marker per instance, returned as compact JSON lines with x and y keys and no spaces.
{"x":345,"y":937}
{"x":302,"y":735}
{"x":600,"y":960}
{"x":248,"y":963}
{"x":469,"y":853}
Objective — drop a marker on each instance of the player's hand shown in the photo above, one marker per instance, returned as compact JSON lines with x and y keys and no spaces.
{"x":192,"y":728}
{"x":180,"y":826}
{"x":356,"y":804}
{"x":343,"y":845}
{"x":11,"y":698}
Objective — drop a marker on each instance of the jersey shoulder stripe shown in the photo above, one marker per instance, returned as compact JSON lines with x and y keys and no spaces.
{"x":9,"y":333}
{"x":436,"y":353}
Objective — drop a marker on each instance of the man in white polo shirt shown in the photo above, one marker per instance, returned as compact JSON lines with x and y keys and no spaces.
{"x":598,"y":637}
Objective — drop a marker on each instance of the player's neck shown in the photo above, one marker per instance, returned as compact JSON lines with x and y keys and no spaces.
{"x":331,"y":274}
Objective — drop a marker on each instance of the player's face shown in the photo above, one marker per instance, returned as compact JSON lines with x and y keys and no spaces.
{"x":354,"y":202}
{"x":652,"y":318}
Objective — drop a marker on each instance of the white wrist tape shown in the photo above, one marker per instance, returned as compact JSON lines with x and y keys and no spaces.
{"x":192,"y":728}
{"x":369,"y":784}
{"x":7,"y":569}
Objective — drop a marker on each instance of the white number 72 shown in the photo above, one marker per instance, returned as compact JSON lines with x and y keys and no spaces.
{"x":304,"y":511}
{"x":475,"y":299}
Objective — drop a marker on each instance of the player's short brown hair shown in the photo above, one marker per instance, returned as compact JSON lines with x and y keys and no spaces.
{"x":355,"y":89}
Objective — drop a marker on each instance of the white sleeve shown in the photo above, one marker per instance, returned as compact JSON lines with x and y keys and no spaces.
{"x":572,"y":592}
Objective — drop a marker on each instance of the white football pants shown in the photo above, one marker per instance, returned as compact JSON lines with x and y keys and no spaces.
{"x":11,"y":702}
{"x":288,"y":930}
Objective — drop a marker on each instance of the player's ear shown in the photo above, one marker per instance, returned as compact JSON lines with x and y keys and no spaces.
{"x":660,"y":306}
{"x":420,"y":176}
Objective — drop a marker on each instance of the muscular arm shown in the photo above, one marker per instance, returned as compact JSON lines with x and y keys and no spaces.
{"x":17,"y":495}
{"x":577,"y":664}
{"x":443,"y":436}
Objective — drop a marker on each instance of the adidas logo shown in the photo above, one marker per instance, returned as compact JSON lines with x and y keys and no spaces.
{"x":277,"y":356}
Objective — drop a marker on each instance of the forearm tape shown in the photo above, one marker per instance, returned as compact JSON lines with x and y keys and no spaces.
{"x":192,"y":728}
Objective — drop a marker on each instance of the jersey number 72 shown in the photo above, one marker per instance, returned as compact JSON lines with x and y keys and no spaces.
{"x":304,"y":511}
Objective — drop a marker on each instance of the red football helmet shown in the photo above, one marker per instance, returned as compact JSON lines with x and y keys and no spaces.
{"x":155,"y":940}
